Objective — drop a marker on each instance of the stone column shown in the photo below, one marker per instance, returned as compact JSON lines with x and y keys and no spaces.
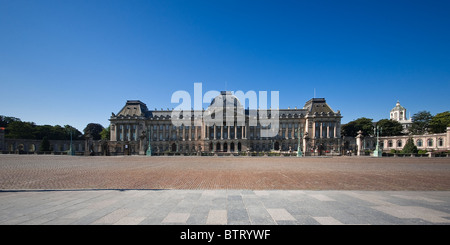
{"x":164,"y":132}
{"x":113,"y":132}
{"x":448,"y":138}
{"x":328,"y":130}
{"x":157,"y":132}
{"x":228,"y":133}
{"x":235,"y":131}
{"x":123,"y":132}
{"x":221,"y":132}
{"x":305,"y":142}
{"x":204,"y":131}
{"x":170,"y":132}
{"x":314,"y":129}
{"x":246,"y":131}
{"x":142,"y":141}
{"x":293,"y":131}
{"x":190,"y":132}
{"x":359,"y":143}
{"x":321,"y":130}
{"x":335,"y":129}
{"x":215,"y":135}
{"x":195,"y":132}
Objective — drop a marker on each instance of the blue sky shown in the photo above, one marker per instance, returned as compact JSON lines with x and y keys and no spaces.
{"x":74,"y":61}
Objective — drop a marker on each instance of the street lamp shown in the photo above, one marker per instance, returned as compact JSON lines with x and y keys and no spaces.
{"x":377,"y":152}
{"x":71,"y":151}
{"x":149,"y":149}
{"x":300,"y":136}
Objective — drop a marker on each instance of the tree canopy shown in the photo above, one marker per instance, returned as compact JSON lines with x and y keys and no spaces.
{"x":94,"y":130}
{"x":440,"y":122}
{"x":351,"y":129}
{"x":105,"y":134}
{"x":390,"y":127}
{"x":420,"y":122}
{"x":17,"y":129}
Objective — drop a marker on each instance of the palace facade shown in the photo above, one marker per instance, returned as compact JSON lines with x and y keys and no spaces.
{"x":316,"y":127}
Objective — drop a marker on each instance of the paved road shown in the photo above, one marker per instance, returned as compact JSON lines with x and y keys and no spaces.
{"x":218,"y":207}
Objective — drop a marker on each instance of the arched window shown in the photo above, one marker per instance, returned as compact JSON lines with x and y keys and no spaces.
{"x":419,"y":143}
{"x":389,"y":143}
{"x":440,"y":142}
{"x":399,"y":143}
{"x":430,"y":142}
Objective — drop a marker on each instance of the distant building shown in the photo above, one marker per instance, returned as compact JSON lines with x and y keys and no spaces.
{"x":398,"y":113}
{"x":429,"y":142}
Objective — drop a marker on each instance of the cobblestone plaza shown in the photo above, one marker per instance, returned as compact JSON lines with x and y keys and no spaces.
{"x":223,"y":190}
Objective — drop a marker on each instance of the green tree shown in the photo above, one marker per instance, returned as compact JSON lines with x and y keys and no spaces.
{"x":93,"y":129}
{"x":42,"y":131}
{"x":351,"y":129}
{"x":105,"y":134}
{"x":390,"y":127}
{"x":440,"y":122}
{"x":420,"y":122}
{"x":409,"y":147}
{"x":4,"y":120}
{"x":45,"y":144}
{"x":20,"y":130}
{"x":16,"y":129}
{"x":76,"y":134}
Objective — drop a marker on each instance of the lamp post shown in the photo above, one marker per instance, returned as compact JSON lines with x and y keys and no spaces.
{"x":71,"y":152}
{"x":149,"y":149}
{"x":377,"y":152}
{"x":299,"y":136}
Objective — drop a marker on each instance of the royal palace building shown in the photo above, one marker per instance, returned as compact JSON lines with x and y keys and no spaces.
{"x":316,"y":127}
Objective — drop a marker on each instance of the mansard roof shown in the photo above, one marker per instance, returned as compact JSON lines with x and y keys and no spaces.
{"x":136,"y":108}
{"x":318,"y":105}
{"x":133,"y":108}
